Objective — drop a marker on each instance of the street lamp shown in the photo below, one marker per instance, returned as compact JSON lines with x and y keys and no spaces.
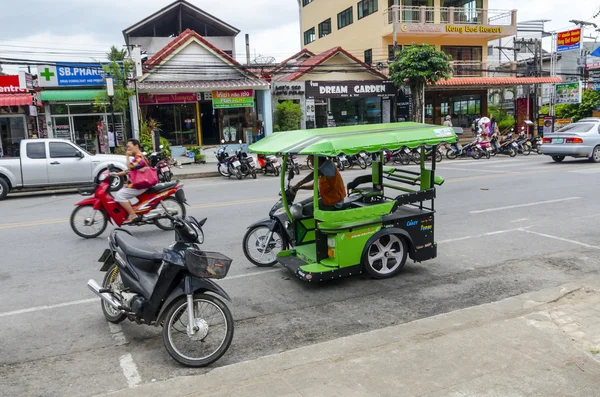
{"x":110,"y":91}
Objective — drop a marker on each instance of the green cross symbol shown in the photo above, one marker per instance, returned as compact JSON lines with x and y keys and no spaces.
{"x":47,"y":74}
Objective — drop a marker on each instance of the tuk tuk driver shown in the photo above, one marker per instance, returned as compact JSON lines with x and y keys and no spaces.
{"x":332,"y":190}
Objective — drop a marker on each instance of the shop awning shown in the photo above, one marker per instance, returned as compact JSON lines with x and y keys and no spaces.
{"x":16,"y":99}
{"x":495,"y":81}
{"x":204,"y":85}
{"x":70,"y":95}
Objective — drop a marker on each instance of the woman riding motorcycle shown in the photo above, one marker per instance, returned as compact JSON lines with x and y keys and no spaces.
{"x":136,"y":162}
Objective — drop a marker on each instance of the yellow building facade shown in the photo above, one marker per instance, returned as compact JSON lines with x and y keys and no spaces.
{"x":461,"y":28}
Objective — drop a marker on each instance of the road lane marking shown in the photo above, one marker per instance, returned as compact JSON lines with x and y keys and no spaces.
{"x":116,"y":331}
{"x":566,"y":240}
{"x":452,"y":240}
{"x":472,"y":170}
{"x":48,"y":307}
{"x":33,"y":223}
{"x":253,"y":274}
{"x":524,"y":205}
{"x":130,"y":371}
{"x":519,"y":220}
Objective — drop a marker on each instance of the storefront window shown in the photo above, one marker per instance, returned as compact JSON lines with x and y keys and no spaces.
{"x":355,"y":111}
{"x":12,"y":130}
{"x":177,"y":122}
{"x":62,"y":127}
{"x":444,"y":108}
{"x":59,"y":109}
{"x":236,"y":123}
{"x":84,"y":108}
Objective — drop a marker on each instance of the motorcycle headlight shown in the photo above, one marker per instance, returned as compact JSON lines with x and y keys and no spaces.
{"x":296,"y":211}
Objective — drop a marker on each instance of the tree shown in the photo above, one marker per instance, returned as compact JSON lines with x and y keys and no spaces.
{"x":418,"y":66}
{"x":590,"y":100}
{"x":287,"y":116}
{"x":119,"y":71}
{"x":116,"y":55}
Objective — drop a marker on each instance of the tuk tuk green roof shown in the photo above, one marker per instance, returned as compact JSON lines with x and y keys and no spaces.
{"x":353,"y":139}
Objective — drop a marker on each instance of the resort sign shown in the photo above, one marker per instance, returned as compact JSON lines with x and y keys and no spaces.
{"x":569,"y":40}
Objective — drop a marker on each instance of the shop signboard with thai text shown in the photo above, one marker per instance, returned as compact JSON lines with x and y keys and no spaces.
{"x":349,"y":89}
{"x":164,"y":99}
{"x":233,"y":99}
{"x":569,"y":40}
{"x":10,"y":85}
{"x":474,"y":30}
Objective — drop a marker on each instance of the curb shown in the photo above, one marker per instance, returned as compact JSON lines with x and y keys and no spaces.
{"x":400,"y":336}
{"x":198,"y":175}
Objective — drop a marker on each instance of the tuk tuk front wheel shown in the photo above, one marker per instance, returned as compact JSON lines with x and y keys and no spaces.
{"x":385,"y":256}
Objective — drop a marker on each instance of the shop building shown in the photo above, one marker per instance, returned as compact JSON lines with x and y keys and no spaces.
{"x":69,"y":95}
{"x":375,"y":29}
{"x":191,"y":84}
{"x":331,"y":97}
{"x":19,"y":116}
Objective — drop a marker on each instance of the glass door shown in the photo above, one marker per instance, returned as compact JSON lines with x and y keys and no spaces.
{"x":85,"y":129}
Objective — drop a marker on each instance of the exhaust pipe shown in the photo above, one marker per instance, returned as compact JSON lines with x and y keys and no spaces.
{"x":106,"y":297}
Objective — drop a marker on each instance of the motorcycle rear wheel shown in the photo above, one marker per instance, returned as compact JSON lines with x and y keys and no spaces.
{"x":170,"y":203}
{"x":253,"y":172}
{"x":512,"y":152}
{"x":451,"y":154}
{"x":175,"y":328}
{"x":526,"y":151}
{"x":362,"y":163}
{"x":112,"y":315}
{"x":438,"y":156}
{"x":91,"y":217}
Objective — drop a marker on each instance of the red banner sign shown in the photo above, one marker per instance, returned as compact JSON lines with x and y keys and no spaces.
{"x":160,"y":99}
{"x":569,"y":40}
{"x":10,"y":85}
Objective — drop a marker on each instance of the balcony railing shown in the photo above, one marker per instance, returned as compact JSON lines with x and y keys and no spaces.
{"x":450,"y":15}
{"x":469,"y":69}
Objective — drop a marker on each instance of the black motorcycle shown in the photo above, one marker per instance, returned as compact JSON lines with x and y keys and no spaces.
{"x":293,"y":164}
{"x":247,"y":165}
{"x":357,"y":160}
{"x":169,"y":289}
{"x":266,"y":238}
{"x":158,"y":161}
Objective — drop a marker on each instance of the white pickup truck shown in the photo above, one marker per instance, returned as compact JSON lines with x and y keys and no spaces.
{"x":54,"y":162}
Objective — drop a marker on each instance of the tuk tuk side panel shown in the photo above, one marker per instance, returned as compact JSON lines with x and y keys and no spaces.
{"x":349,"y":246}
{"x":305,"y":231}
{"x":420,"y":228}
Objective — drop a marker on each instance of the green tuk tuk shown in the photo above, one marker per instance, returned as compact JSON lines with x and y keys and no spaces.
{"x":386,"y":217}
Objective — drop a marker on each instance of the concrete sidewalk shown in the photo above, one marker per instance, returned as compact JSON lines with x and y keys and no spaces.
{"x":545,"y":343}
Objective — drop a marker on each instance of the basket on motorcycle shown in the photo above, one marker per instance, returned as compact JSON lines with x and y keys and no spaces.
{"x":205,"y":264}
{"x":87,"y":190}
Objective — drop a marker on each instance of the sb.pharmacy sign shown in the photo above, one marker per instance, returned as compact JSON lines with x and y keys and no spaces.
{"x":71,"y":75}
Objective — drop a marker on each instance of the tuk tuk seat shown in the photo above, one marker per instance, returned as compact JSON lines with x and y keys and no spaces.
{"x":353,"y":217}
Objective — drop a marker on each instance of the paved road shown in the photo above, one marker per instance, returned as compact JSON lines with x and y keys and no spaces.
{"x":504,"y":227}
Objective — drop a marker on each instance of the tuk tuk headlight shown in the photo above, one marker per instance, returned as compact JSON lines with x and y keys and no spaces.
{"x":296,"y":211}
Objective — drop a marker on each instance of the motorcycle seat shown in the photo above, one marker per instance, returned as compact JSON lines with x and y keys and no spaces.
{"x":132,"y":247}
{"x":160,"y":187}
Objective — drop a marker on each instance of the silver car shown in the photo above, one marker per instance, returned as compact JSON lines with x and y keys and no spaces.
{"x":580,"y":139}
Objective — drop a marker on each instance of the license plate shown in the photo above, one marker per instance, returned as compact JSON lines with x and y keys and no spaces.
{"x":165,"y":169}
{"x":295,"y":161}
{"x":558,"y":140}
{"x":363,"y":155}
{"x":236,"y":164}
{"x":514,"y":144}
{"x":406,"y":150}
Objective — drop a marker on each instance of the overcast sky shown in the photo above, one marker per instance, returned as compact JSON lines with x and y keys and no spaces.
{"x":86,"y":28}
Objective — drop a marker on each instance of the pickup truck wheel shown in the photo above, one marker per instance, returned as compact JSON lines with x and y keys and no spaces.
{"x":3,"y":188}
{"x":116,"y":184}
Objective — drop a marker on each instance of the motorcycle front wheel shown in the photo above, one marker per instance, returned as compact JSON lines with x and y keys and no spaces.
{"x":214,"y":331}
{"x":87,"y":222}
{"x":174,"y":208}
{"x":362,"y":163}
{"x":253,"y":172}
{"x":451,"y":154}
{"x":223,"y":170}
{"x":257,"y":250}
{"x":309,"y":163}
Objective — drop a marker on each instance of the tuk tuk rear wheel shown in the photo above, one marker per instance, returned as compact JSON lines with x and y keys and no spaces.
{"x":385,"y":256}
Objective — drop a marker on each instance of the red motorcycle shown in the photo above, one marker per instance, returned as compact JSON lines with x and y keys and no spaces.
{"x":91,"y":216}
